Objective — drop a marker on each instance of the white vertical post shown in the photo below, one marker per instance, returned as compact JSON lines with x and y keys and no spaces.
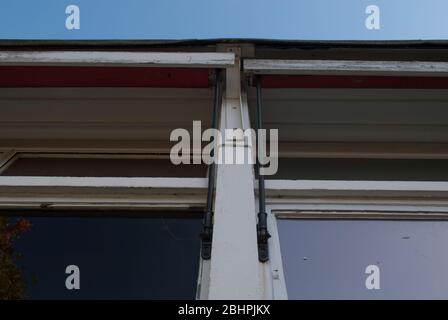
{"x":235,"y":272}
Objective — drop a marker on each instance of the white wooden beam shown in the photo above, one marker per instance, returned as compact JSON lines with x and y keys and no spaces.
{"x":346,"y":67}
{"x":235,"y":272}
{"x":310,"y":214}
{"x":116,"y":58}
{"x":353,"y":189}
{"x":101,"y":192}
{"x":103,"y":182}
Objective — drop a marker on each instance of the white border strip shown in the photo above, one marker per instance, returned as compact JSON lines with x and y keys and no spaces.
{"x":104,"y":58}
{"x":346,"y":67}
{"x":336,"y":185}
{"x":103,"y":182}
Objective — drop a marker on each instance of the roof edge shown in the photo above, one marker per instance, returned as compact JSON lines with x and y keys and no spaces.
{"x":299,"y":44}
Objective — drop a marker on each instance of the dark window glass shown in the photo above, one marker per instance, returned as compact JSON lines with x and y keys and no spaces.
{"x":327,"y":259}
{"x":101,"y":167}
{"x":362,"y":169}
{"x":118,"y":258}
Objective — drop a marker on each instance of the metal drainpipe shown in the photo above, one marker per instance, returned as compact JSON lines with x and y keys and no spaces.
{"x":207,"y":232}
{"x":262,"y":227}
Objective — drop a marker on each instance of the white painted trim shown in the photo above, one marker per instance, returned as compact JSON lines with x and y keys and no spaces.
{"x":388,"y":189}
{"x":364,"y":215}
{"x":279,"y":291}
{"x":154,"y":150}
{"x":98,"y":192}
{"x":235,"y":272}
{"x":103,"y":182}
{"x":89,"y":147}
{"x":365,"y":204}
{"x":90,"y":155}
{"x":115,"y":58}
{"x":101,"y":193}
{"x":76,"y":205}
{"x":298,"y":211}
{"x":346,"y":67}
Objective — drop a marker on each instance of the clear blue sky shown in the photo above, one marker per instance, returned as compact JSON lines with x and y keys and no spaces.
{"x":201,"y":19}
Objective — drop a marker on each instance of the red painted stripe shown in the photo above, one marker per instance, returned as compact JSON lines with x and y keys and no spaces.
{"x":41,"y":76}
{"x":316,"y":81}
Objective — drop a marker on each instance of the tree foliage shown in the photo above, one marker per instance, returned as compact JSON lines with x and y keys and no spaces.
{"x":12,"y":282}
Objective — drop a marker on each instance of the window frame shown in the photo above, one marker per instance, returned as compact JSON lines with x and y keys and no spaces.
{"x":42,"y":194}
{"x":187,"y":192}
{"x":352,"y":200}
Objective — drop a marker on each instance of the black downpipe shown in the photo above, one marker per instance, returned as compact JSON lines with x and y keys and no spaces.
{"x":207,"y":231}
{"x":262,"y":226}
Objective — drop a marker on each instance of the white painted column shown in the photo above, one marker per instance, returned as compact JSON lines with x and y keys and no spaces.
{"x":235,"y":272}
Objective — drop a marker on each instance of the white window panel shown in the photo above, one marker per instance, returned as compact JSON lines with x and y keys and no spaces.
{"x":327,"y":259}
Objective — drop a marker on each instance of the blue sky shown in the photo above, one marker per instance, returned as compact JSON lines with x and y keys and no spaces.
{"x":202,"y":19}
